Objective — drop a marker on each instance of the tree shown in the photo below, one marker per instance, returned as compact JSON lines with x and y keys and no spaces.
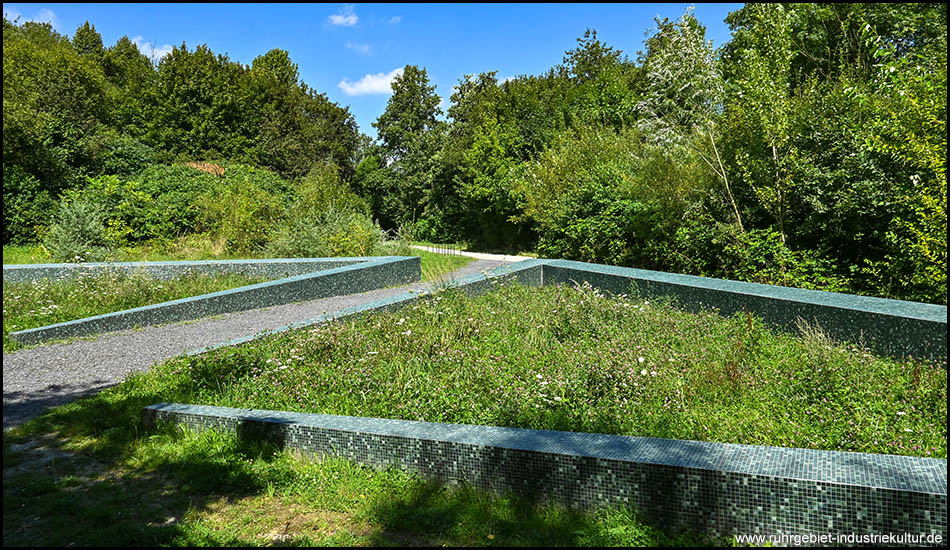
{"x":590,"y":58}
{"x":54,"y":104}
{"x":683,"y":95}
{"x":759,"y":68}
{"x":411,"y":136}
{"x":910,"y":127}
{"x":134,"y":87}
{"x":202,"y":105}
{"x":603,"y":84}
{"x":87,"y":41}
{"x":411,"y":112}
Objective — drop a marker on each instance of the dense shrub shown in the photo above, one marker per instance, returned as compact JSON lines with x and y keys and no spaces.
{"x":27,"y":206}
{"x":78,"y":233}
{"x":603,"y":196}
{"x":122,"y":155}
{"x":324,"y":219}
{"x":242,"y":207}
{"x":330,"y":233}
{"x":158,"y":202}
{"x":321,"y":190}
{"x":760,"y":256}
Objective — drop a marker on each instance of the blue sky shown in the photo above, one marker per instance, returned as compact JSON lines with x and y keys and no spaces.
{"x":350,"y":51}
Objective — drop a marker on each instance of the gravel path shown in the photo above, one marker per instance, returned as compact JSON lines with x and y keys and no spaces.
{"x":476,"y":255}
{"x":46,"y":376}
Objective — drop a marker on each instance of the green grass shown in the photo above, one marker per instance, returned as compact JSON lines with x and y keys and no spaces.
{"x":554,"y":358}
{"x":182,"y":488}
{"x":45,"y":302}
{"x":569,"y":359}
{"x":191,"y":247}
{"x":24,"y":254}
{"x":436,"y":266}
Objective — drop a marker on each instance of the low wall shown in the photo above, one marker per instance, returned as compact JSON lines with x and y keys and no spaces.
{"x":713,"y":488}
{"x":352,"y":276}
{"x":888,"y":327}
{"x":274,"y":269}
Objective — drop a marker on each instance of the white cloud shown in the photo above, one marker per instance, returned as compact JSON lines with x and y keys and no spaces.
{"x":42,"y":16}
{"x":394,"y":19}
{"x":364,"y":49}
{"x":150,"y":50}
{"x":346,"y":17}
{"x":504,"y":79}
{"x":371,"y":84}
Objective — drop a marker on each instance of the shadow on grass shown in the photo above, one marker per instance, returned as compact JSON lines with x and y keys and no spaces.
{"x":431,"y":514}
{"x":68,"y":478}
{"x":77,"y":500}
{"x":21,"y":406}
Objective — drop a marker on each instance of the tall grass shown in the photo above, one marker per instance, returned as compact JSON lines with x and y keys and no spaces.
{"x":571,"y":359}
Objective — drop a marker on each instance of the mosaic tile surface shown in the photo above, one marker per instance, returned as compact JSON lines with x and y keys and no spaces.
{"x":719,"y":489}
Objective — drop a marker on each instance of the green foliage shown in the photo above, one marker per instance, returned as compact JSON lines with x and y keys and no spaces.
{"x":242,"y":207}
{"x":325,"y":219}
{"x":325,"y":234}
{"x":410,"y":112}
{"x":758,"y":64}
{"x":607,"y":197}
{"x":602,"y":84}
{"x":910,"y":127}
{"x":321,"y":190}
{"x":683,"y":86}
{"x":374,"y":182}
{"x":295,"y":126}
{"x":160,"y":201}
{"x":87,"y":41}
{"x":411,"y":136}
{"x":121,"y":155}
{"x":134,"y":88}
{"x":759,"y":256}
{"x":55,"y":102}
{"x":201,"y":104}
{"x":78,"y":233}
{"x":27,"y":206}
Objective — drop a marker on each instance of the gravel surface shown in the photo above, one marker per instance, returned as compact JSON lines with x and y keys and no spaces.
{"x":50,"y":375}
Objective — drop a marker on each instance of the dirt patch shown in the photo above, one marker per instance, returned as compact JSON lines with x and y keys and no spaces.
{"x":277,"y":520}
{"x":42,"y":452}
